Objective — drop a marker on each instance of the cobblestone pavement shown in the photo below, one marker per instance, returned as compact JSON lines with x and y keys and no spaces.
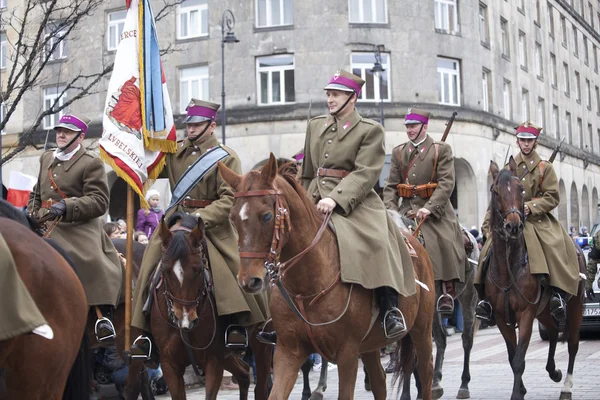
{"x":490,"y":372}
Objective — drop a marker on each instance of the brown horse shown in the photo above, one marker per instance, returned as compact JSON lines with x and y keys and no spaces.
{"x":515,"y":292}
{"x":273,"y":215}
{"x":184,"y":320}
{"x":35,"y":367}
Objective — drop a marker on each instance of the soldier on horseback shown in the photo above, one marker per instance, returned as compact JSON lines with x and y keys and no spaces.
{"x":72,"y":187}
{"x":200,"y":191}
{"x":422,"y":175}
{"x":551,"y":253}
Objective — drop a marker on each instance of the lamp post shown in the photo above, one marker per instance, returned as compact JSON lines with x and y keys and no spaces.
{"x":227,"y":36}
{"x":378,"y":71}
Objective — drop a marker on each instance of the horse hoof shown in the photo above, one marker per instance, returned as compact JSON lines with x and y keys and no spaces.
{"x":565,"y":396}
{"x":316,"y":396}
{"x":557,"y":376}
{"x":368,"y":386}
{"x":463,"y":394}
{"x":437,"y":393}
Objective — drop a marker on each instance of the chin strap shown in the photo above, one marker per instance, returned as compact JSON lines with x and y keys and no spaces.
{"x":345,"y":104}
{"x":62,"y":149}
{"x":201,"y":133}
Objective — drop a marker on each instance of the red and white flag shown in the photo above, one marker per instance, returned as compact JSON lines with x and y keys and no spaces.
{"x":19,"y":187}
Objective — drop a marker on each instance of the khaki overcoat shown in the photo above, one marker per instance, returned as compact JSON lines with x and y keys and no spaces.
{"x":550,"y":249}
{"x":83,"y":180}
{"x":441,"y":232}
{"x":372,"y":249}
{"x":221,"y":237}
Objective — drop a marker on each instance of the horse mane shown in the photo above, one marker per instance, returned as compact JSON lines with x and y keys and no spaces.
{"x":179,"y":246}
{"x":289,"y":176}
{"x":9,"y":211}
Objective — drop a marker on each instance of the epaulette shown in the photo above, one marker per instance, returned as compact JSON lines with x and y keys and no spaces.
{"x":369,"y":121}
{"x":400,"y":145}
{"x":180,"y":143}
{"x":318,"y":117}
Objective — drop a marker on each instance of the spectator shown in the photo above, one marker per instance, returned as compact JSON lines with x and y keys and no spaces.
{"x":147,"y":220}
{"x":573,"y":232}
{"x":140,"y":237}
{"x":584,"y":231}
{"x":113,"y":230}
{"x":123,"y":226}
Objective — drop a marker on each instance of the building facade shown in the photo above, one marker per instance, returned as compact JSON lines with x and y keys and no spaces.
{"x":498,"y":63}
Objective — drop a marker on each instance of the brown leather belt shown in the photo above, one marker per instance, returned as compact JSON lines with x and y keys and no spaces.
{"x":48,"y":203}
{"x":408,"y":191}
{"x":331,"y":173}
{"x":193,"y":203}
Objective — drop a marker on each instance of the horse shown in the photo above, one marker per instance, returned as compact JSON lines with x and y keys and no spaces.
{"x":275,"y":218}
{"x":34,"y":367}
{"x":513,"y":288}
{"x":184,"y":320}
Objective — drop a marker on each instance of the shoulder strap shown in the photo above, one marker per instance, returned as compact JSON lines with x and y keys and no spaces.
{"x":53,"y":183}
{"x":435,"y":160}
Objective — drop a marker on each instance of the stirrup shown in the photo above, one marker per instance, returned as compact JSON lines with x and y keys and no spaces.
{"x":487,"y":305}
{"x":403,"y":322}
{"x":142,"y":356}
{"x":442,"y":296}
{"x":108,"y":337}
{"x":559,"y":309}
{"x":236,"y":346}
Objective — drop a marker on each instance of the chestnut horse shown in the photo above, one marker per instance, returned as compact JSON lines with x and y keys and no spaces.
{"x":184,"y":320}
{"x":273,"y":215}
{"x":31,"y":366}
{"x":516,"y":291}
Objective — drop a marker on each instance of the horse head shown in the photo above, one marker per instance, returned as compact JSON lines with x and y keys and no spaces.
{"x":260,"y":214}
{"x":507,"y":205}
{"x":183,"y":266}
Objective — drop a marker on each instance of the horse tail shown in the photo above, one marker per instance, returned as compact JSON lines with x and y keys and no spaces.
{"x":80,"y":378}
{"x":403,"y":359}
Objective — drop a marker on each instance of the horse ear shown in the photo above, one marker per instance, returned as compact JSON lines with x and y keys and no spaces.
{"x":512,"y":165}
{"x":494,"y":170}
{"x":165,"y":233}
{"x":269,"y":171}
{"x":234,"y":180}
{"x":197,"y":234}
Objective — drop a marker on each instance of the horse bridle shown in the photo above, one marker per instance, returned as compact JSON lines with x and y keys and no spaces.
{"x":512,"y":210}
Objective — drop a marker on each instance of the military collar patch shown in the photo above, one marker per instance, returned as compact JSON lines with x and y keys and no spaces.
{"x":346,"y":125}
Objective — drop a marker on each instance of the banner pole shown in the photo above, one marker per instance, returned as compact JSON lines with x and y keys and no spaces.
{"x":129,"y":268}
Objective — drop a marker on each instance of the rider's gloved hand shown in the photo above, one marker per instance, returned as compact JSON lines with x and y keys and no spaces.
{"x":58,"y":209}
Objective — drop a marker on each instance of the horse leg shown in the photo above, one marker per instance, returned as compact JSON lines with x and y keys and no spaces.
{"x":468,"y":303}
{"x":424,"y":352}
{"x":173,"y":375}
{"x":367,"y":380}
{"x":574,"y":317}
{"x":134,"y":379}
{"x":376,"y":372}
{"x":405,"y":395}
{"x":238,"y":368}
{"x":439,"y":336}
{"x":306,"y":367}
{"x":525,"y":327}
{"x":347,"y":372}
{"x":552,"y":329}
{"x":287,"y":362}
{"x":263,"y":357}
{"x":322,"y":385}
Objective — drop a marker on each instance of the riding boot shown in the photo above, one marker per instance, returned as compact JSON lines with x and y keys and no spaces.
{"x":392,"y":320}
{"x":558,"y":305}
{"x":143,"y":348}
{"x":104,"y":328}
{"x":269,"y":338}
{"x":445,"y":303}
{"x":236,"y":336}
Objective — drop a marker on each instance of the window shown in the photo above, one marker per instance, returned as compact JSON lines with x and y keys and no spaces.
{"x":575,"y":42}
{"x":484,"y":30}
{"x":192,"y":19}
{"x":377,"y":86}
{"x":2,"y":51}
{"x":538,"y":12}
{"x":525,"y":105}
{"x":588,"y":93}
{"x":563,"y":30}
{"x":274,"y":13}
{"x":580,"y":132}
{"x":577,"y":87}
{"x":591,"y":12}
{"x":116,"y":22}
{"x":53,"y":100}
{"x":505,"y":37}
{"x":550,"y":20}
{"x":368,"y":11}
{"x":522,"y":50}
{"x":539,"y":70}
{"x":507,"y":100}
{"x":56,"y":42}
{"x":555,"y":121}
{"x":448,"y":81}
{"x":595,"y":59}
{"x":582,"y":8}
{"x":597,"y":99}
{"x":586,"y":58}
{"x":275,"y":79}
{"x":569,"y":131}
{"x":590,"y":139}
{"x":486,"y":90}
{"x":541,"y":112}
{"x":193,"y":84}
{"x":566,"y":79}
{"x":553,"y":70}
{"x":446,"y":15}
{"x":521,"y":5}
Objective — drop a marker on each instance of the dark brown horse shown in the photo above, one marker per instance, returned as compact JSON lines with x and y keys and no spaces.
{"x":184,"y":320}
{"x":35,"y":367}
{"x":273,"y":215}
{"x":515,"y":292}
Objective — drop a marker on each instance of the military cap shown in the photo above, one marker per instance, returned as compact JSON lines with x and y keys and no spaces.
{"x":416,"y":116}
{"x":200,"y":111}
{"x":73,"y":123}
{"x":528,"y":131}
{"x":346,"y":82}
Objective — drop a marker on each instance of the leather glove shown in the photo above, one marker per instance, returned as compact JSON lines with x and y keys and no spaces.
{"x":58,"y":209}
{"x":589,"y":293}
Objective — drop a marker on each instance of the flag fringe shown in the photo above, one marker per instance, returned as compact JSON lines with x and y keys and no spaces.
{"x":155,"y":173}
{"x":163,"y":145}
{"x":104,"y":156}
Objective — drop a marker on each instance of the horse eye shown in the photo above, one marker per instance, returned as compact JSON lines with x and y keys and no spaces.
{"x":267,"y":217}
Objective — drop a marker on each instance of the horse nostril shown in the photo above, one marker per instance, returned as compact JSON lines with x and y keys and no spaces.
{"x":255,"y":284}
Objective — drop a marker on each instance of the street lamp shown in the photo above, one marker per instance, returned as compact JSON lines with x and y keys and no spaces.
{"x":378,"y":71}
{"x":227,"y":22}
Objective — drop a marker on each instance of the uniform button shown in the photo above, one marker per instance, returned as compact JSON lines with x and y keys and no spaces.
{"x":414,"y":174}
{"x":322,"y":182}
{"x":329,"y":141}
{"x":523,"y":179}
{"x":55,"y":175}
{"x":52,"y":187}
{"x":58,"y":165}
{"x":339,"y":190}
{"x":524,"y":166}
{"x":333,"y":129}
{"x":535,"y":205}
{"x":314,"y":195}
{"x":188,"y":166}
{"x":326,"y":155}
{"x":193,"y":153}
{"x":197,"y":214}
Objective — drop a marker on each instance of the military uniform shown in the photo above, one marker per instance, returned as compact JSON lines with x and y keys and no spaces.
{"x":211,"y":199}
{"x":18,"y":312}
{"x":550,"y":250}
{"x":593,"y":260}
{"x":416,"y":166}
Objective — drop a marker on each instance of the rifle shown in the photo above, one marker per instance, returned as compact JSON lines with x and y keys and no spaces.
{"x":556,"y":150}
{"x":449,"y":125}
{"x":506,"y":155}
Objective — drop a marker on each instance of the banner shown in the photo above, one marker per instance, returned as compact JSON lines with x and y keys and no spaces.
{"x":138,"y":128}
{"x":19,"y":187}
